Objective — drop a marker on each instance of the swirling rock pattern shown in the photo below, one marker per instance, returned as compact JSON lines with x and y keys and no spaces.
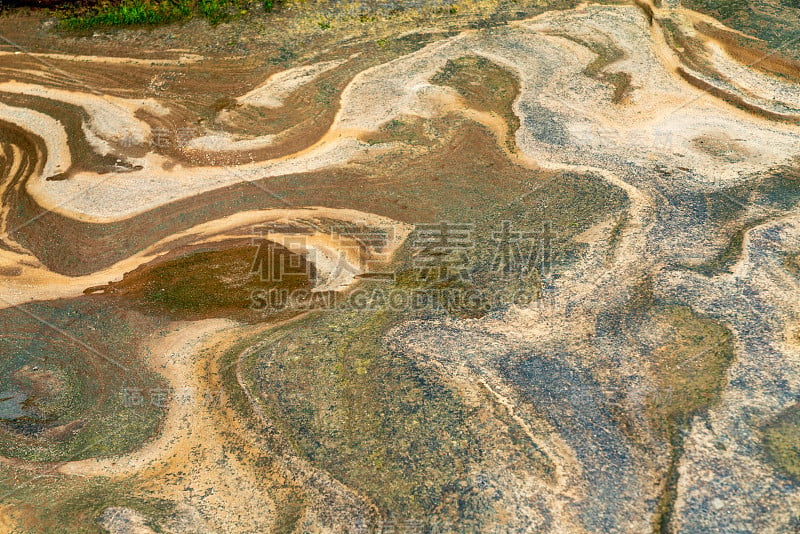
{"x":648,"y":383}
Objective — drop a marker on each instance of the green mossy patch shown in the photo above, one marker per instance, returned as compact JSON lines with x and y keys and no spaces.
{"x":782,"y":441}
{"x":67,"y":374}
{"x":73,"y":505}
{"x":213,"y":283}
{"x":689,"y":368}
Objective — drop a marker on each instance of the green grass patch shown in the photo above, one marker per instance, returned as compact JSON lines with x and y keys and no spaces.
{"x":150,"y":12}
